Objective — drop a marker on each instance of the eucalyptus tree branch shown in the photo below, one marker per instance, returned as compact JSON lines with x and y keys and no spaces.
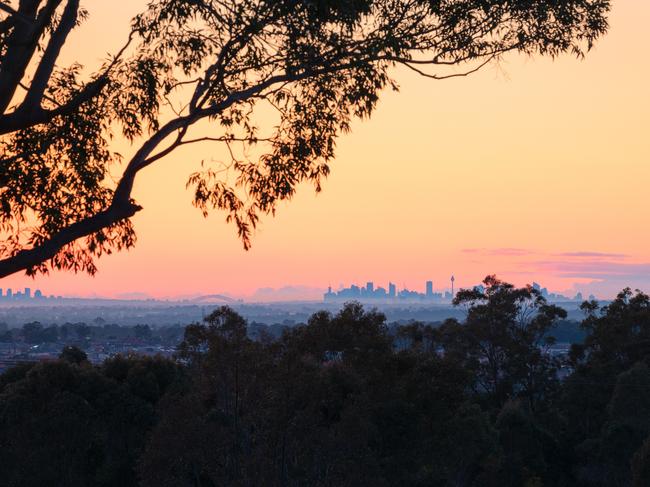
{"x":31,"y":112}
{"x":319,"y":63}
{"x":29,"y":258}
{"x":13,"y":14}
{"x":32,"y":101}
{"x":21,"y":46}
{"x":122,"y":206}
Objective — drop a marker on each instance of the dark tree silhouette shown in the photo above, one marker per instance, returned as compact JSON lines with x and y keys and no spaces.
{"x":317,"y":63}
{"x":348,"y":400}
{"x":73,"y":355}
{"x":503,"y":340}
{"x":65,"y":424}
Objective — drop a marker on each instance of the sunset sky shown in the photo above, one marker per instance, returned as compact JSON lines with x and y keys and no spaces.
{"x":536,"y":170}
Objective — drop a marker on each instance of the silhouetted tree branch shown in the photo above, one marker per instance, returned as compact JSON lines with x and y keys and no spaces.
{"x":319,"y":64}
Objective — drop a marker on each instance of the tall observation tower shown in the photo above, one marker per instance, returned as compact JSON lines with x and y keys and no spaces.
{"x":452,"y":286}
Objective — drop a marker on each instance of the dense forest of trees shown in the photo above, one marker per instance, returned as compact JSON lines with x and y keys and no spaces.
{"x":82,"y":334}
{"x":341,"y":401}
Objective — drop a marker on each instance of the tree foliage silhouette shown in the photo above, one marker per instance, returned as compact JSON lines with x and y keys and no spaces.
{"x":317,"y":64}
{"x":503,"y":339}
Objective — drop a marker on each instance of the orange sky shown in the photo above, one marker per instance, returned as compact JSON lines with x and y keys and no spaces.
{"x":534,"y":170}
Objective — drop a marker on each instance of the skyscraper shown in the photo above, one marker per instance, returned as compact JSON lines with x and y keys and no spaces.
{"x":429,"y":291}
{"x":392,"y":290}
{"x":370,"y":287}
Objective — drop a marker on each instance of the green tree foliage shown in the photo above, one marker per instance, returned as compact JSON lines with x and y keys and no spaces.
{"x":142,"y":332}
{"x":347,"y":400}
{"x":73,"y":355}
{"x":330,"y":403}
{"x":36,"y":333}
{"x":75,"y":425}
{"x":316,"y":64}
{"x":628,"y":423}
{"x":33,"y":332}
{"x":503,"y":340}
{"x":525,"y":445}
{"x":619,"y":333}
{"x":604,"y":399}
{"x":641,"y":465}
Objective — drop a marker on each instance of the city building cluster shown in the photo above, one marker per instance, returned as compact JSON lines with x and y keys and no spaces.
{"x":559,"y":297}
{"x":26,"y":294}
{"x":370,"y":292}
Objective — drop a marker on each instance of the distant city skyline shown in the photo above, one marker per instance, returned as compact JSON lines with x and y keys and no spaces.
{"x":426,"y":292}
{"x":445,"y":295}
{"x":24,"y":294}
{"x":369,"y":292}
{"x":596,"y":272}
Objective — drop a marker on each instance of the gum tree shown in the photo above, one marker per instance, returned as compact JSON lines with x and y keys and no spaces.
{"x":188,"y":65}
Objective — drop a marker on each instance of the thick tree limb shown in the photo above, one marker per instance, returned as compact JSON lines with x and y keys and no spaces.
{"x":122,"y":208}
{"x":21,"y":46}
{"x":13,"y":14}
{"x":261,"y":51}
{"x":26,"y":259}
{"x":22,"y":119}
{"x":31,"y":112}
{"x":45,"y":68}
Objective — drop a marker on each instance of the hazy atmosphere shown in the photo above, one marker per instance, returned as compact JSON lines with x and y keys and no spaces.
{"x":324,"y":243}
{"x":533,"y":169}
